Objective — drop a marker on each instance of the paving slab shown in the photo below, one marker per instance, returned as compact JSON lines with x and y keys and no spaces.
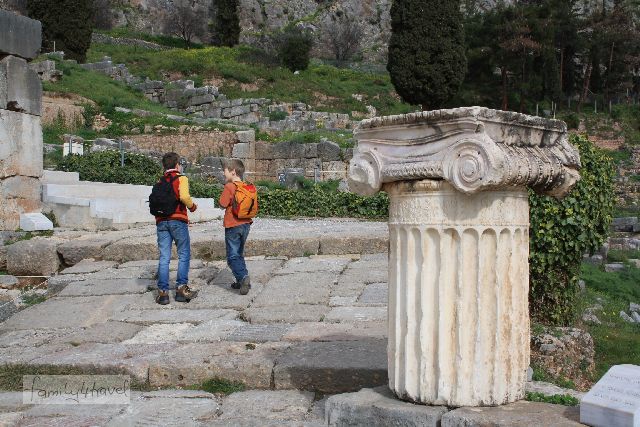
{"x":320,"y":331}
{"x":517,"y":414}
{"x":332,"y":367}
{"x":184,"y":364}
{"x":211,"y":331}
{"x":33,"y":337}
{"x":55,"y":284}
{"x":375,"y":294}
{"x":59,"y":312}
{"x":175,"y":315}
{"x":114,"y":286}
{"x":334,"y":245}
{"x":222,"y":296}
{"x":356,"y":314}
{"x":124,"y":273}
{"x":259,"y":333}
{"x":159,"y":333}
{"x":291,"y":289}
{"x":174,"y":409}
{"x":291,"y":405}
{"x":292,"y":314}
{"x":315,"y":264}
{"x":87,"y":266}
{"x":379,"y":407}
{"x":336,"y":301}
{"x":108,"y":332}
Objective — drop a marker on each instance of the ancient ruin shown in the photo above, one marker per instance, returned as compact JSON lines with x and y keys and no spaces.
{"x":459,"y":244}
{"x":20,"y":128}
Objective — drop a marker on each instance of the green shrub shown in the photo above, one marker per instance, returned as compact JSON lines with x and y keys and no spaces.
{"x":295,"y":48}
{"x":556,"y":399}
{"x":275,"y":116}
{"x":562,"y":231}
{"x":105,"y":167}
{"x":572,"y":120}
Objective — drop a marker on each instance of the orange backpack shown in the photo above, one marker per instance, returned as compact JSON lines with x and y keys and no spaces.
{"x":245,"y":201}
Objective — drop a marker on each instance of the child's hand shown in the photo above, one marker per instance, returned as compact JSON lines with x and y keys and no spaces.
{"x":193,"y":208}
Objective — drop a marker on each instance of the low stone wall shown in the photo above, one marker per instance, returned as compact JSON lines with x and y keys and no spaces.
{"x":193,"y":146}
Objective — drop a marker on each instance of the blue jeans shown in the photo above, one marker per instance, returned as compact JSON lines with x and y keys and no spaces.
{"x":168,"y":232}
{"x":234,"y":239}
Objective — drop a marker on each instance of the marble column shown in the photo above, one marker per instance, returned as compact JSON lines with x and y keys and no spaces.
{"x":459,"y":244}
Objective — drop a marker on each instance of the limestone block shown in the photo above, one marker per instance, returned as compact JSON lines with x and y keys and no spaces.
{"x":20,"y":144}
{"x":379,"y":407}
{"x":201,"y":99}
{"x":334,"y":170}
{"x":19,"y":35}
{"x":35,"y":257}
{"x":465,"y":258}
{"x":19,"y":194}
{"x":241,"y":150}
{"x":329,"y":151}
{"x":310,"y":150}
{"x":20,"y":87}
{"x":247,"y":119}
{"x":246,"y":135}
{"x":35,"y":222}
{"x":615,"y":400}
{"x":227,"y":113}
{"x":516,"y":414}
{"x":264,"y":151}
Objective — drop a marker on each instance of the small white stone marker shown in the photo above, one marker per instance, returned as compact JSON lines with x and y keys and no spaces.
{"x":35,"y":222}
{"x":615,"y":400}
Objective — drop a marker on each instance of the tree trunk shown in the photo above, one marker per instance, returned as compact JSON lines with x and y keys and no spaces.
{"x":505,"y":98}
{"x":585,"y":86}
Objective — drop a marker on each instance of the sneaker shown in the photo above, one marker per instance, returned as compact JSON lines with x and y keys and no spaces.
{"x":245,"y":285}
{"x":162,"y":298}
{"x":235,"y":285}
{"x":185,"y":294}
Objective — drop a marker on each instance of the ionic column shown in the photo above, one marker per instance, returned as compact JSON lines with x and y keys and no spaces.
{"x":458,"y":285}
{"x":459,"y":244}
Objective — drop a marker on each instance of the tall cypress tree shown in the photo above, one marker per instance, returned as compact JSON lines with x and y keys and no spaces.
{"x":68,"y":23}
{"x":427,"y":59}
{"x":225,"y":26}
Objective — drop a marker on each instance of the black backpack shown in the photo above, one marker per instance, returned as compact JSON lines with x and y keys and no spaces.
{"x":163,"y":201}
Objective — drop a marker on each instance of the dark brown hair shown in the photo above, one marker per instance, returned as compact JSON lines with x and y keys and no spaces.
{"x":234,"y":165}
{"x":170,"y":160}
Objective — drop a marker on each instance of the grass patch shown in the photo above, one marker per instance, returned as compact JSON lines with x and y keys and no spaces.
{"x":618,"y":255}
{"x":344,"y":138}
{"x":540,"y":374}
{"x":220,"y":386}
{"x":619,"y":285}
{"x":32,"y":299}
{"x":325,"y":87}
{"x":556,"y":399}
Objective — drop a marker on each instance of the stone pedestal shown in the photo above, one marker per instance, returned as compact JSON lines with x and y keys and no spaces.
{"x":459,"y":244}
{"x":458,"y":285}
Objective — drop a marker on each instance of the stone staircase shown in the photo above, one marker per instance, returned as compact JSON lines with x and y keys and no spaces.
{"x":94,"y":206}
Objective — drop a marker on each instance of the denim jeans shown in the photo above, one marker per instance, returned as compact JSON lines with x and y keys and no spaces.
{"x":234,"y":239}
{"x":169,"y":232}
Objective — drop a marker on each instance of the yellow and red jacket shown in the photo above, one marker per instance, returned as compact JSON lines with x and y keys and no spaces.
{"x":181,"y":188}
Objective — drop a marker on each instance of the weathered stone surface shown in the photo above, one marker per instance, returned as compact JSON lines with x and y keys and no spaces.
{"x":87,"y":266}
{"x":549,"y":389}
{"x":194,"y":363}
{"x":246,"y":136}
{"x":379,"y":407}
{"x":20,"y":146}
{"x":64,"y":313}
{"x":565,"y":353}
{"x":211,"y":331}
{"x":259,"y":333}
{"x":293,"y":314}
{"x":7,"y":309}
{"x":56,"y":284}
{"x":274,"y":405}
{"x":320,"y":331}
{"x":35,"y":221}
{"x":107,"y":287}
{"x":21,"y":36}
{"x":332,"y":367}
{"x":35,"y":257}
{"x":241,"y":151}
{"x":19,"y":194}
{"x":335,"y":245}
{"x":329,"y":151}
{"x":8,"y":282}
{"x":74,"y":251}
{"x":222,"y":296}
{"x":515,"y":414}
{"x":375,"y":294}
{"x":624,"y":224}
{"x":314,"y":264}
{"x":282,"y":247}
{"x":3,"y":257}
{"x":173,"y":315}
{"x":108,"y":332}
{"x":356,"y":314}
{"x":159,"y":334}
{"x":302,"y":288}
{"x":20,"y":87}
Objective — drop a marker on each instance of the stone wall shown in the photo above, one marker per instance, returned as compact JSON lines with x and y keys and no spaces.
{"x":122,"y":41}
{"x":20,"y":127}
{"x":207,"y":102}
{"x":193,"y":146}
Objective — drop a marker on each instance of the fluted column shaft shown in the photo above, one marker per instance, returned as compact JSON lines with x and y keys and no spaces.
{"x":458,"y":294}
